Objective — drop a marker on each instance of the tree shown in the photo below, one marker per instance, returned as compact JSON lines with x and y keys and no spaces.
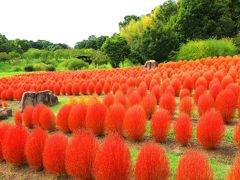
{"x":117,"y":49}
{"x":203,"y":19}
{"x":127,"y":20}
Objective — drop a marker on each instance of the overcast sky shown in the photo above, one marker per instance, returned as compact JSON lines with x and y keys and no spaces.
{"x":67,"y":21}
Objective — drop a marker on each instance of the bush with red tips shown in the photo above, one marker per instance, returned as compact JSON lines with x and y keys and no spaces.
{"x":62,"y":118}
{"x":149,"y":104}
{"x":176,"y":86}
{"x":183,"y":129}
{"x":205,"y":103}
{"x":167,"y":101}
{"x":80,"y":155}
{"x":142,"y":89}
{"x":210,"y":129}
{"x":54,"y":154}
{"x":160,"y":125}
{"x":3,"y":129}
{"x":95,"y":117}
{"x":169,"y":89}
{"x":194,"y":165}
{"x":47,"y":119}
{"x":186,"y":105}
{"x":157,"y":92}
{"x":234,"y":172}
{"x":98,"y":88}
{"x":188,"y":83}
{"x":152,"y":163}
{"x":133,"y":98}
{"x":198,"y":92}
{"x":215,"y":89}
{"x":108,"y":100}
{"x":34,"y":148}
{"x":134,"y":123}
{"x":18,"y":118}
{"x":27,"y":116}
{"x":225,"y":103}
{"x":184,"y":93}
{"x":237,"y":135}
{"x":36,"y":113}
{"x":13,"y":145}
{"x":9,"y":94}
{"x":113,"y":161}
{"x":120,"y":98}
{"x":106,"y":88}
{"x":114,"y":118}
{"x":201,"y":81}
{"x":90,"y":88}
{"x":226,"y":81}
{"x":77,"y":117}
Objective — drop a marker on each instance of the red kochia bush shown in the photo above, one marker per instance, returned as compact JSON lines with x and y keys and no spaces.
{"x":234,"y":173}
{"x":77,"y":117}
{"x":96,"y":113}
{"x":80,"y":155}
{"x":133,"y":98}
{"x":210,"y":129}
{"x":205,"y":103}
{"x":198,"y":92}
{"x":167,"y":101}
{"x":18,"y":118}
{"x":54,"y":154}
{"x":186,"y":105}
{"x":194,"y":165}
{"x":13,"y":145}
{"x":237,"y":135}
{"x":157,"y":92}
{"x":225,"y":103}
{"x":183,"y":129}
{"x":160,"y":124}
{"x":108,"y":100}
{"x":62,"y":118}
{"x":152,"y":163}
{"x":113,"y":161}
{"x":34,"y":148}
{"x":47,"y":119}
{"x":149,"y":104}
{"x":114,"y":118}
{"x":27,"y":116}
{"x":3,"y":129}
{"x":184,"y":93}
{"x":134,"y":123}
{"x":36,"y":113}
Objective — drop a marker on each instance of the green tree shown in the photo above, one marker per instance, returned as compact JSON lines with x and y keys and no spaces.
{"x":117,"y":49}
{"x":203,"y":19}
{"x":127,"y":20}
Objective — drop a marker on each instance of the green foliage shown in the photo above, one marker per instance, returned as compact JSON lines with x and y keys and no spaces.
{"x":50,"y":68}
{"x":40,"y":67}
{"x":127,"y":20}
{"x":206,"y":48}
{"x":75,"y":64}
{"x":236,"y":41}
{"x":3,"y":56}
{"x":92,"y":42}
{"x":117,"y":49}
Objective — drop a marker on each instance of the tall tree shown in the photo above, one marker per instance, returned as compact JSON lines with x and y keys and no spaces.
{"x":117,"y":49}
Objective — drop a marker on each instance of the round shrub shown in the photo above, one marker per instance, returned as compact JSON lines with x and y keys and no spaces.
{"x":34,"y":148}
{"x":18,"y":118}
{"x":183,"y":129}
{"x":13,"y":145}
{"x":167,"y":101}
{"x":36,"y":113}
{"x":77,"y":117}
{"x":225,"y":103}
{"x":29,"y":68}
{"x":186,"y":105}
{"x":142,"y":89}
{"x":194,"y":165}
{"x":134,"y":123}
{"x":54,"y":154}
{"x":62,"y":118}
{"x":3,"y":129}
{"x":183,"y":93}
{"x":234,"y":173}
{"x":96,"y":113}
{"x":133,"y":98}
{"x":215,"y":89}
{"x":152,"y":163}
{"x":114,"y":118}
{"x":27,"y":116}
{"x":237,"y":135}
{"x":210,"y":129}
{"x":113,"y":161}
{"x":76,"y":64}
{"x":160,"y":125}
{"x":80,"y":155}
{"x":198,"y":92}
{"x":149,"y":104}
{"x":47,"y":119}
{"x":157,"y":92}
{"x":108,"y":100}
{"x":120,"y":98}
{"x":205,"y":103}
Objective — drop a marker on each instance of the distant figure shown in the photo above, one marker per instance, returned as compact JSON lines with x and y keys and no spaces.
{"x":151,"y":64}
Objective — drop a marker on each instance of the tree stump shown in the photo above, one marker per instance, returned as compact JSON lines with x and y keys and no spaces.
{"x":151,"y":64}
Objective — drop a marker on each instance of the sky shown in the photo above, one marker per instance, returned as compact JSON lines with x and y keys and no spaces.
{"x":67,"y":21}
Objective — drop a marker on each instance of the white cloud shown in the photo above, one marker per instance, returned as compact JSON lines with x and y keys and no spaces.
{"x":67,"y":21}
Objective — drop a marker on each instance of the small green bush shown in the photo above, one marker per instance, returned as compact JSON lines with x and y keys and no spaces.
{"x":77,"y":64}
{"x":236,"y":41}
{"x":206,"y":48}
{"x":50,"y":68}
{"x":40,"y":67}
{"x":29,"y":68}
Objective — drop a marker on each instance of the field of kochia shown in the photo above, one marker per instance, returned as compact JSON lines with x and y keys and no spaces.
{"x":187,"y":107}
